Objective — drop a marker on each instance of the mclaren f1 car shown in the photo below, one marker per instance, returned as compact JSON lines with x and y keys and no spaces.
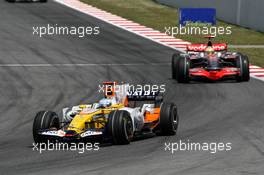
{"x":118,"y":118}
{"x":211,"y":62}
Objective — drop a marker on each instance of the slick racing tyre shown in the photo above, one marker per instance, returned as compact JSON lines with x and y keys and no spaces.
{"x":120,"y":127}
{"x":43,"y":0}
{"x":243,"y":66}
{"x":183,"y":70}
{"x":174,"y":65}
{"x":169,"y":119}
{"x":44,"y":120}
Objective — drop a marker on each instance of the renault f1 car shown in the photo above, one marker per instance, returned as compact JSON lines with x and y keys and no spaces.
{"x":209,"y":61}
{"x":118,"y":118}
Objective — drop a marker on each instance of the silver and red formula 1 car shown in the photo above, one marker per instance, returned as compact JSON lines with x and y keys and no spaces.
{"x":209,"y":61}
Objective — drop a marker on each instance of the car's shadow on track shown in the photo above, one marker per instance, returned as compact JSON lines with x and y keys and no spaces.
{"x":206,"y":81}
{"x":101,"y":143}
{"x":136,"y":139}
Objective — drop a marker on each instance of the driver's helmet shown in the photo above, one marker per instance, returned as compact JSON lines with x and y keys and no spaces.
{"x":209,"y":50}
{"x":105,"y":102}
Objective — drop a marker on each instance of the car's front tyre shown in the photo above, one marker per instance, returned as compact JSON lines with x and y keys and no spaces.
{"x":120,"y":127}
{"x":243,"y":66}
{"x":44,"y":120}
{"x":183,"y":70}
{"x":174,"y":65}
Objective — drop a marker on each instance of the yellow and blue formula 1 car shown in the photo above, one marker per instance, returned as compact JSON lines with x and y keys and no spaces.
{"x":118,"y":117}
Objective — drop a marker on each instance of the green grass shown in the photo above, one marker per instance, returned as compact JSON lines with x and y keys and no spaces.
{"x":156,"y":16}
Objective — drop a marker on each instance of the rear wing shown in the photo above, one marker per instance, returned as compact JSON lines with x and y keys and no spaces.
{"x":144,"y":96}
{"x":122,"y":93}
{"x":202,"y":47}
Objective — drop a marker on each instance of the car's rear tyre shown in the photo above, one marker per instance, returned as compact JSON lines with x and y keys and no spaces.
{"x":169,"y":119}
{"x":44,"y":120}
{"x":174,"y":65}
{"x":120,"y":127}
{"x":183,"y":70}
{"x":43,"y":0}
{"x":11,"y":0}
{"x":243,"y":66}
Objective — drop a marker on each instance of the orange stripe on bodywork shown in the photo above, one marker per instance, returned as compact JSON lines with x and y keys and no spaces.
{"x":151,"y":117}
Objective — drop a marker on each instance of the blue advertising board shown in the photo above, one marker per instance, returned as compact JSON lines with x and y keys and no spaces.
{"x":194,"y":15}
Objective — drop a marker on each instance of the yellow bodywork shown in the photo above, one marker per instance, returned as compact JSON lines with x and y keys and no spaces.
{"x":91,"y":118}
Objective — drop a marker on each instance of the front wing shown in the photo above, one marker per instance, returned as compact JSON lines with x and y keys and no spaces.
{"x":214,"y":74}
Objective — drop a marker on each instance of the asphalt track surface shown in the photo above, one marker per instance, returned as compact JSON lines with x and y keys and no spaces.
{"x":209,"y":112}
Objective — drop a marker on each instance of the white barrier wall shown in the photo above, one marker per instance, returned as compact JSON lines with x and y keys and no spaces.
{"x":246,"y":13}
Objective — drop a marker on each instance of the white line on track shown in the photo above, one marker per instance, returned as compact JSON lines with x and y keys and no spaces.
{"x":83,"y":65}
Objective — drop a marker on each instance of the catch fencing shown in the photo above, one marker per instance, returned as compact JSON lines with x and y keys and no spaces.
{"x":246,"y":13}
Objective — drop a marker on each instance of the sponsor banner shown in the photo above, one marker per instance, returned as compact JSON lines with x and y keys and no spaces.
{"x":197,"y":15}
